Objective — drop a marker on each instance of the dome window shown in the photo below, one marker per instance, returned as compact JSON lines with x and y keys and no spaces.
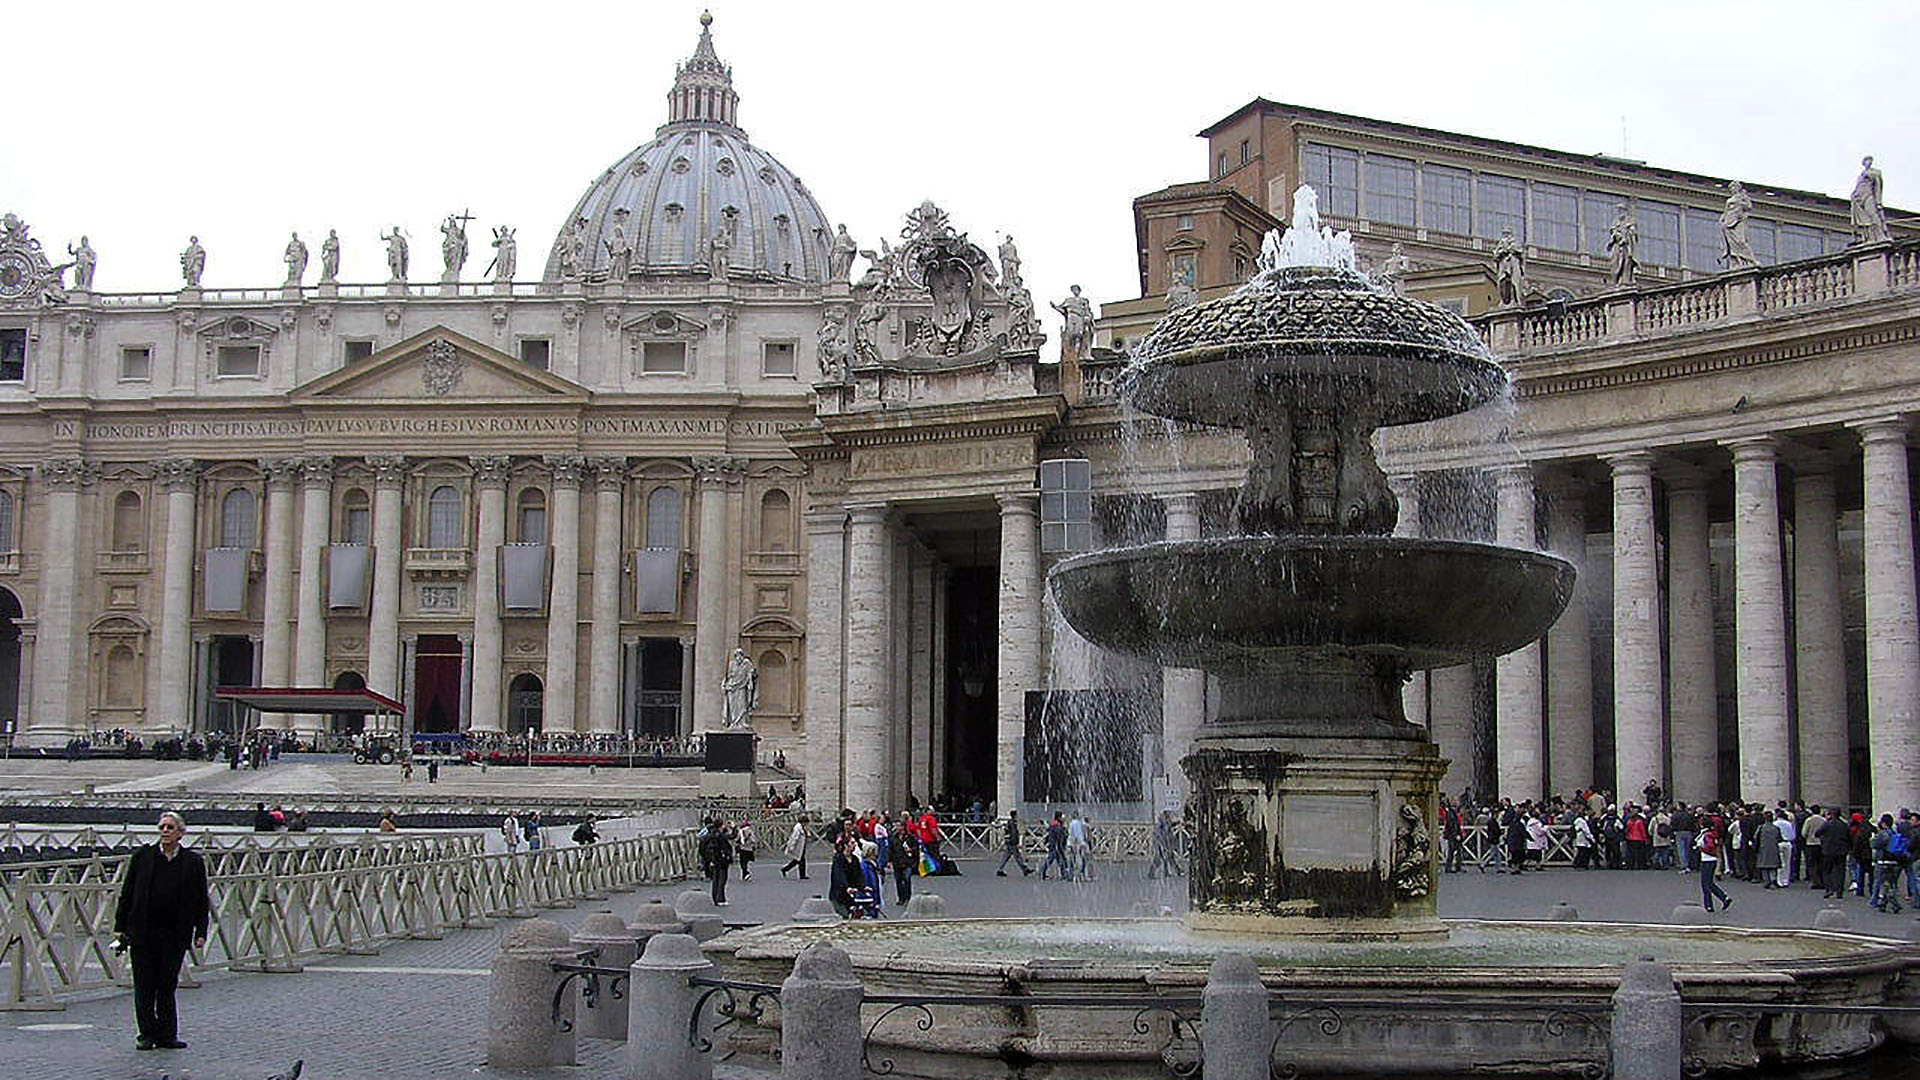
{"x":767,"y":174}
{"x":724,"y":166}
{"x":674,"y":210}
{"x":681,"y":164}
{"x":783,"y":221}
{"x":641,"y":168}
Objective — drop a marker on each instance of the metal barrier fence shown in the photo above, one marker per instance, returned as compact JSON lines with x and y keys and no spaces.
{"x":19,"y":840}
{"x":275,"y":907}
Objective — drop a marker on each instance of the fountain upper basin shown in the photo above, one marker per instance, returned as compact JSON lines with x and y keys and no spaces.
{"x":1242,"y":605}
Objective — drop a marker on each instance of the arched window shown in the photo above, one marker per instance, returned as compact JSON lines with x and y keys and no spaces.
{"x":443,"y":517}
{"x":776,"y":521}
{"x":525,"y":698}
{"x":532,"y":517}
{"x":129,"y":528}
{"x":237,"y":524}
{"x":776,"y":683}
{"x":6,"y":521}
{"x":663,"y":518}
{"x":356,"y":517}
{"x":123,"y":678}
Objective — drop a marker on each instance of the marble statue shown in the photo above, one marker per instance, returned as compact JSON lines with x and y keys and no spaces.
{"x":506,"y":253}
{"x":1023,"y":328}
{"x":720,"y":252}
{"x":741,"y":686}
{"x":296,"y":260}
{"x":396,"y":254}
{"x":1394,"y":269}
{"x":193,"y":262}
{"x":453,"y":245}
{"x":873,"y":311}
{"x":840,"y":256}
{"x":619,"y":249}
{"x":832,"y":344}
{"x":84,"y":261}
{"x":330,"y":258}
{"x":1077,"y":335}
{"x":1412,"y":854}
{"x":1869,"y":213}
{"x":1622,"y":239}
{"x":1733,"y":229}
{"x":881,"y":266}
{"x":1010,"y":263}
{"x":1510,"y":270}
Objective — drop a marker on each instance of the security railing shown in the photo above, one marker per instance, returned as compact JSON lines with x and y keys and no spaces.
{"x":274,"y":908}
{"x":27,"y":841}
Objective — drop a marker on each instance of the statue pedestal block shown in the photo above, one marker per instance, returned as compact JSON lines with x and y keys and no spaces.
{"x":728,"y":769}
{"x":1315,"y":835}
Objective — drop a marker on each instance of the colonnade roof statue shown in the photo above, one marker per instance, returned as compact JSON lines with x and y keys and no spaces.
{"x":698,"y":179}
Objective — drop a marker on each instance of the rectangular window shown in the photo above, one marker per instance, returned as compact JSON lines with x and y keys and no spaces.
{"x":536,"y":352}
{"x":358,"y":349}
{"x":1066,"y":505}
{"x":1446,"y":199}
{"x":1800,"y":242}
{"x":1334,"y":175}
{"x":1556,"y":217}
{"x":1706,"y":251}
{"x":1597,"y":211}
{"x":237,"y":360}
{"x":1763,"y":234}
{"x":1246,"y":151}
{"x":136,"y":363}
{"x":776,"y":359}
{"x":1659,"y":233}
{"x":1220,"y":167}
{"x":1184,"y":223}
{"x":359,"y":525}
{"x":1838,"y":242}
{"x":1390,"y":190}
{"x":13,"y":354}
{"x":1500,"y":204}
{"x":663,"y":358}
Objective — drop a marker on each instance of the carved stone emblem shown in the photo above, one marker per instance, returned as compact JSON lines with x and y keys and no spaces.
{"x":1412,"y":854}
{"x":26,"y":277}
{"x":441,"y":371}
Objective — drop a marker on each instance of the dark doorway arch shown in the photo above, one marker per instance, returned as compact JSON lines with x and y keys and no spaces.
{"x":349,"y":723}
{"x":10,"y":615}
{"x":526,"y":699}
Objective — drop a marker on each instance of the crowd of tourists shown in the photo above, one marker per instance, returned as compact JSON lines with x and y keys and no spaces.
{"x":868,"y":851}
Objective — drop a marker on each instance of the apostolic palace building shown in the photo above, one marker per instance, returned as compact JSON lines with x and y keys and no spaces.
{"x":560,"y":501}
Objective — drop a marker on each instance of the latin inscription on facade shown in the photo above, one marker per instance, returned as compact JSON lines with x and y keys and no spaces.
{"x":295,"y":427}
{"x":941,"y":459}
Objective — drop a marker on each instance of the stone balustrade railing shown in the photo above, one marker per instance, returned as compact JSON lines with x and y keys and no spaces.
{"x":274,"y":909}
{"x":1724,"y":300}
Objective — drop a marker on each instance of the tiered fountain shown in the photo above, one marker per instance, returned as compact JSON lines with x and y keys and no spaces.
{"x":1312,"y":796}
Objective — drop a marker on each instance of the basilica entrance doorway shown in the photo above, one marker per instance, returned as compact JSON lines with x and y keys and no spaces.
{"x":10,"y":615}
{"x":349,"y":723}
{"x":526,"y":700}
{"x":657,"y":706}
{"x":232,"y":666}
{"x":435,"y":707}
{"x":972,"y":604}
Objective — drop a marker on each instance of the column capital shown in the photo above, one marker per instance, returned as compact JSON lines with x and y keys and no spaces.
{"x":1184,"y":502}
{"x":567,"y":469}
{"x":1018,"y":503}
{"x":177,"y":474}
{"x":718,"y":470}
{"x":491,"y":470}
{"x":825,"y":522}
{"x":1512,"y":474}
{"x":317,"y":471}
{"x":868,"y":513}
{"x":609,"y":473}
{"x":1753,"y":448}
{"x":1682,"y":475}
{"x":68,"y":474}
{"x":1631,"y":463}
{"x":280,"y":472}
{"x":389,"y":470}
{"x":1884,"y":429}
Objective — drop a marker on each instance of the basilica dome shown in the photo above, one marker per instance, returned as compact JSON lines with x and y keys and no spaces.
{"x":699,"y":178}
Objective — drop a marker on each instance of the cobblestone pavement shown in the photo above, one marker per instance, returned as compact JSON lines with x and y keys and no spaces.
{"x":418,"y":1009}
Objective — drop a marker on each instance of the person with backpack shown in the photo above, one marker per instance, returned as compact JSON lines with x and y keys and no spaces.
{"x":1710,"y":850}
{"x":904,"y":855}
{"x":716,"y":851}
{"x":1890,"y":859}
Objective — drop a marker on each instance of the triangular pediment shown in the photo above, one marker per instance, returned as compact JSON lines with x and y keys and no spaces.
{"x":439,"y":365}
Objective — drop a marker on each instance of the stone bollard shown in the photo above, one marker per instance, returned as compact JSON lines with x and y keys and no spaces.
{"x":1690,"y":914}
{"x":521,"y":1033}
{"x":1565,"y":912}
{"x":820,"y":1017}
{"x":815,"y":910}
{"x":926,"y":906}
{"x":659,"y":1004}
{"x":605,"y":1017}
{"x":1239,"y":1029}
{"x":1832,"y":918}
{"x":1648,"y":1036}
{"x":654,"y":917}
{"x":700,"y":913}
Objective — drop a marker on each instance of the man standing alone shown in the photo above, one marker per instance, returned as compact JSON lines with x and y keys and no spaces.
{"x":163,"y":905}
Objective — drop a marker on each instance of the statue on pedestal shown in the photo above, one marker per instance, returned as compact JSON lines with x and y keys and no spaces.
{"x":1394,"y":269}
{"x":1622,"y":239}
{"x":741,"y":686}
{"x":1510,"y":270}
{"x":396,"y":254}
{"x":83,"y":264}
{"x":296,"y":260}
{"x":1076,"y":337}
{"x":1010,"y":263}
{"x":1868,"y":212}
{"x":506,"y":253}
{"x":330,"y":258}
{"x":192,"y":262}
{"x":720,"y":252}
{"x":1733,"y":229}
{"x":453,"y":245}
{"x":832,"y":344}
{"x":619,"y":249}
{"x":840,"y":256}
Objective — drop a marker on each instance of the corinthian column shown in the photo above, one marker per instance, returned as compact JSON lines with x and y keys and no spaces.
{"x":276,"y":624}
{"x":563,"y":603}
{"x":1636,"y":625}
{"x":1018,"y":670}
{"x":1183,"y":691}
{"x":1893,"y":630}
{"x":711,"y":634}
{"x":180,"y":479}
{"x":826,"y":558}
{"x":1517,"y":719}
{"x":1569,"y":647}
{"x":56,"y":640}
{"x":383,"y":609}
{"x":310,"y":630}
{"x":1820,"y":668}
{"x":1692,"y":699}
{"x":603,"y":642}
{"x":1760,"y":622}
{"x":867,"y":695}
{"x":490,"y":477}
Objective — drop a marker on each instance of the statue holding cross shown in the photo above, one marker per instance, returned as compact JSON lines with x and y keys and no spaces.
{"x":453,"y":244}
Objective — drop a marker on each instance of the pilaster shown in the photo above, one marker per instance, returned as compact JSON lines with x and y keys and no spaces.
{"x":604,"y":714}
{"x":490,"y":476}
{"x":563,"y":603}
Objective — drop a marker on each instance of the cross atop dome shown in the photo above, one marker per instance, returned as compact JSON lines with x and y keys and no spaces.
{"x":703,"y":86}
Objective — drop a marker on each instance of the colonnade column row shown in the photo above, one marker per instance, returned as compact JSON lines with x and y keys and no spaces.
{"x":180,"y":479}
{"x":1637,"y":750}
{"x":383,"y":609}
{"x":1517,"y":717}
{"x":603,"y":645}
{"x":1183,"y":691}
{"x":310,"y":631}
{"x":1818,"y":634}
{"x":55,"y":636}
{"x":1893,"y":628}
{"x":1693,"y":708}
{"x":826,"y":561}
{"x":868,"y":572}
{"x":276,"y":617}
{"x":563,"y":600}
{"x":490,"y":477}
{"x":1018,"y":669}
{"x":712,"y":635}
{"x":1569,"y":664}
{"x":1760,"y":622}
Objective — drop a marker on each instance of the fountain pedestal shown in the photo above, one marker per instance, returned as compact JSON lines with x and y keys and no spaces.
{"x":1315,"y":836}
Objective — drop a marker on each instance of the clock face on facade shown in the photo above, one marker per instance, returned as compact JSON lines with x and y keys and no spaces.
{"x":16,"y":275}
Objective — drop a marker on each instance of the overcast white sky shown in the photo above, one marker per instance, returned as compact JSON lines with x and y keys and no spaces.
{"x":141,"y":123}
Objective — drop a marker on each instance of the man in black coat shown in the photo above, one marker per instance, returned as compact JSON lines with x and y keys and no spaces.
{"x":1834,"y":840}
{"x":163,"y":905}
